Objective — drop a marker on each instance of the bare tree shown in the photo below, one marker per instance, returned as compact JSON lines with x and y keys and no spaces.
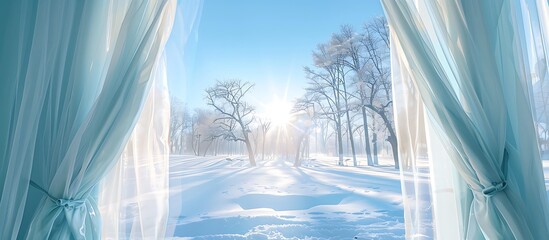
{"x":341,"y":44}
{"x":325,"y":90}
{"x":356,"y":62}
{"x":304,"y":117}
{"x":194,"y":131}
{"x":265,"y":126}
{"x":301,"y":123}
{"x":377,"y":71}
{"x":206,"y":130}
{"x":177,"y":122}
{"x":364,"y":59}
{"x":227,"y":98}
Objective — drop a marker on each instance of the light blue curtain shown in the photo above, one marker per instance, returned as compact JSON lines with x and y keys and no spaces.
{"x":74,"y":78}
{"x":467,"y":60}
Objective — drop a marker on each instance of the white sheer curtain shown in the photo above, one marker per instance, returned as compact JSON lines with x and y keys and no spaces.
{"x":76,"y":75}
{"x":134,"y":196}
{"x":465,"y":67}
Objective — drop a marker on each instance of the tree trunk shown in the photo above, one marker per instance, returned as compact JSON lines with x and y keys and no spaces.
{"x":198,"y":146}
{"x":207,"y":147}
{"x":394,"y":146}
{"x":392,"y":140}
{"x":349,"y":127}
{"x":337,"y":95}
{"x":263,"y":148}
{"x":216,"y":148}
{"x":351,"y":138}
{"x":255,"y":143}
{"x":297,"y":161}
{"x":250,"y":150}
{"x":392,"y":137}
{"x":374,"y":143}
{"x":182,"y":143}
{"x":367,"y":137}
{"x":308,"y":146}
{"x":193,"y":145}
{"x":339,"y":143}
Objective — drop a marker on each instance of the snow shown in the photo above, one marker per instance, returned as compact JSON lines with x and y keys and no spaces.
{"x":223,"y":198}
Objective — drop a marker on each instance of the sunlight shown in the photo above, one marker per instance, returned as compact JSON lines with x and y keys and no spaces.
{"x":279,"y":112}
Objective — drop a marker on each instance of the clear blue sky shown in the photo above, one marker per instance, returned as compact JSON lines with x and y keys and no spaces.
{"x":266,"y":42}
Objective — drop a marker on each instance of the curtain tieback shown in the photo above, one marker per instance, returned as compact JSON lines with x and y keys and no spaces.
{"x":494,"y":189}
{"x":498,"y":186}
{"x":60,"y":202}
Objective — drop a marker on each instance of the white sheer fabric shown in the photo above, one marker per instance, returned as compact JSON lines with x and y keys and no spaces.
{"x":78,"y":73}
{"x":468,"y":63}
{"x":133,"y":199}
{"x":408,"y":116}
{"x":134,"y":196}
{"x":435,"y":206}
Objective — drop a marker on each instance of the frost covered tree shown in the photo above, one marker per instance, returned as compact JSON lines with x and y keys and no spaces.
{"x":301,"y":124}
{"x":351,"y":77}
{"x":325,"y":91}
{"x":265,"y":126}
{"x":355,"y":60}
{"x":339,"y":46}
{"x":303,"y":121}
{"x":377,"y":76}
{"x":206,"y":130}
{"x":236,"y":115}
{"x":178,"y":124}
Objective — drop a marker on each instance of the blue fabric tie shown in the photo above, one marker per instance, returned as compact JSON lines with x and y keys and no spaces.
{"x":498,"y":186}
{"x":60,"y":202}
{"x":494,"y":189}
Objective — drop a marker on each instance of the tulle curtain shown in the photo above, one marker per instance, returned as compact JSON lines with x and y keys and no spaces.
{"x":75,"y":75}
{"x":463,"y":70}
{"x":134,"y":196}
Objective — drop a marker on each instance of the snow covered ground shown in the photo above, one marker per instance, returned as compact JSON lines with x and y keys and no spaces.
{"x":217,"y":198}
{"x":220,"y":198}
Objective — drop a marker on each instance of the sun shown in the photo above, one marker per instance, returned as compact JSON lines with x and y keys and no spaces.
{"x":279,"y":112}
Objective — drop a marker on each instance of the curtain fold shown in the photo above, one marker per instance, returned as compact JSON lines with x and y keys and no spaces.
{"x":134,"y":195}
{"x":77,"y":74}
{"x":410,"y":130}
{"x":466,"y":60}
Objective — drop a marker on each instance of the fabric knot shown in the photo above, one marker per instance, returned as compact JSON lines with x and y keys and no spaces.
{"x":494,"y":189}
{"x":69,"y":203}
{"x":60,"y":202}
